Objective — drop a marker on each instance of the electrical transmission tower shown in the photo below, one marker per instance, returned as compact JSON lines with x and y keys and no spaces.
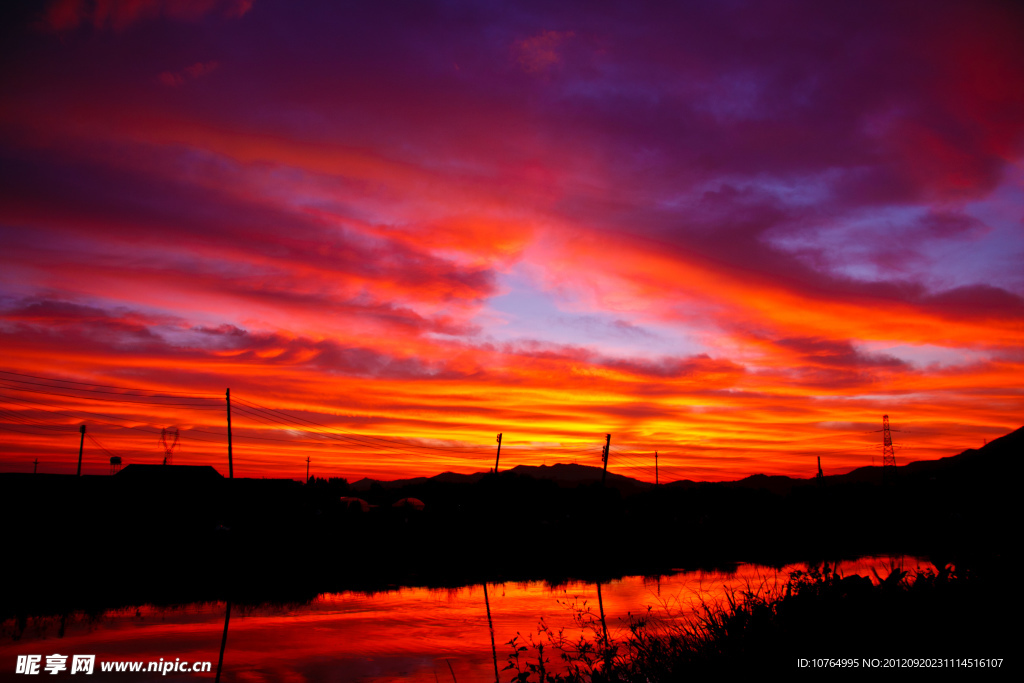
{"x":888,"y":454}
{"x":169,"y":442}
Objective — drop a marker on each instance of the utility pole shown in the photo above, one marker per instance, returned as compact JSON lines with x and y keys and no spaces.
{"x":35,"y":465}
{"x":81,"y":445}
{"x":231,"y":466}
{"x":307,"y":469}
{"x":498,"y":456}
{"x":607,"y":447}
{"x":655,"y":468}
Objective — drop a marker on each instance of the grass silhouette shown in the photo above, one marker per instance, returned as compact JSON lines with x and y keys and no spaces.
{"x":817,"y":614}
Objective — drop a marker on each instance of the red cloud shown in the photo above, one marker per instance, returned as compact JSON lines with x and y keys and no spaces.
{"x":541,"y":52}
{"x":63,"y":15}
{"x":190,"y":72}
{"x":811,"y":199}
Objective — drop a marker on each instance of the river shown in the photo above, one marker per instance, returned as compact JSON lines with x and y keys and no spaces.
{"x":408,"y":634}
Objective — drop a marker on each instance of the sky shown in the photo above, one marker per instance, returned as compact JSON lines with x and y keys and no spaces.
{"x":735,"y":233}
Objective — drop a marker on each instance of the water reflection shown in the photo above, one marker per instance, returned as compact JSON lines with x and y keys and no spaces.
{"x":408,"y":633}
{"x":223,"y":640}
{"x":490,"y":628}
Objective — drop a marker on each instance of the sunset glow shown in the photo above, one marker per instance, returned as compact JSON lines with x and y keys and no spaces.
{"x":736,"y":234}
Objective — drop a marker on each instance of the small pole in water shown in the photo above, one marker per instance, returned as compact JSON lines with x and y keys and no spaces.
{"x":490,"y":625}
{"x":604,"y":629}
{"x":223,"y":641}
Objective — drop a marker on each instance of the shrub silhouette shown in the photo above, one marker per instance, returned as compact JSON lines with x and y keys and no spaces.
{"x":817,"y":613}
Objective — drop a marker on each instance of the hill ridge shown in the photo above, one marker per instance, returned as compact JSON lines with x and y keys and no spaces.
{"x":573,"y":474}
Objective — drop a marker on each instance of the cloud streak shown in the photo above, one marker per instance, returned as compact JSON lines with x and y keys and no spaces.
{"x":746,"y":223}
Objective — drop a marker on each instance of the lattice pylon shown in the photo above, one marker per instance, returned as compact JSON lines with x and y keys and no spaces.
{"x":888,"y":454}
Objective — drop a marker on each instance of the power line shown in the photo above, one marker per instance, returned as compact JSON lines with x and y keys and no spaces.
{"x":16,"y":387}
{"x":354,"y":435}
{"x":102,"y":391}
{"x":367,"y":440}
{"x":307,"y":429}
{"x":25,"y":420}
{"x":93,"y":439}
{"x":353,"y":441}
{"x":107,"y":386}
{"x":92,"y":416}
{"x":341,"y":439}
{"x":20,"y":431}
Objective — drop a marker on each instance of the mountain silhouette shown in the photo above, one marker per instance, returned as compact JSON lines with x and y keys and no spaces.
{"x":972,"y":462}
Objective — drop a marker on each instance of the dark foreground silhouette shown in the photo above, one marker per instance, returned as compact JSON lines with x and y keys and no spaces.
{"x":171,"y":535}
{"x":951,"y":619}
